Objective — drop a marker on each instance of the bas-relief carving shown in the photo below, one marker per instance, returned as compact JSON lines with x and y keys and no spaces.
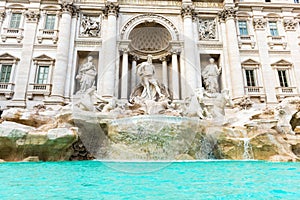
{"x":90,"y":26}
{"x":207,"y":29}
{"x":290,"y":24}
{"x":259,"y":23}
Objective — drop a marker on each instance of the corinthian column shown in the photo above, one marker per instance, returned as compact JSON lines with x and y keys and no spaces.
{"x":175,"y":75}
{"x":62,"y":54}
{"x":260,"y":24}
{"x":23,"y":71}
{"x":133,"y":72}
{"x":108,"y":74}
{"x":189,"y":50}
{"x":290,"y":26}
{"x":164,"y":71}
{"x":235,"y":70}
{"x":125,"y":74}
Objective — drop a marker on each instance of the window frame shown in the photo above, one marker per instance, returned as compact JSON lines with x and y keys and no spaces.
{"x":45,"y":80}
{"x":274,"y":32}
{"x":243,"y":28}
{"x":11,"y":18}
{"x":53,"y":23}
{"x":6,"y":79}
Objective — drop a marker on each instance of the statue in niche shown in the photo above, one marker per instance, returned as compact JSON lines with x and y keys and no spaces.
{"x":86,"y":75}
{"x":90,"y":27}
{"x":210,"y":75}
{"x":207,"y":29}
{"x":149,"y":88}
{"x":149,"y":96}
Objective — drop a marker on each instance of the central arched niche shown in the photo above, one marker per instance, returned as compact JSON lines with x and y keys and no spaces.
{"x":149,"y":38}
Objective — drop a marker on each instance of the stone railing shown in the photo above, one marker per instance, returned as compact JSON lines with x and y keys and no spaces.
{"x":282,"y":92}
{"x":255,"y":91}
{"x":7,"y":89}
{"x":16,"y":33}
{"x":246,"y":40}
{"x":276,"y":41}
{"x":38,"y":89}
{"x":46,"y":34}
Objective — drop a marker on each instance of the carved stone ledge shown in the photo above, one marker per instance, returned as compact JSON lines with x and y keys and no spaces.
{"x":226,"y":13}
{"x":32,"y":16}
{"x":111,"y":9}
{"x":290,"y":24}
{"x":259,"y":23}
{"x":187,"y":10}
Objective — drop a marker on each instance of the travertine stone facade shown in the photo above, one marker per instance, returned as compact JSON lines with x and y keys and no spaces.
{"x":44,"y":45}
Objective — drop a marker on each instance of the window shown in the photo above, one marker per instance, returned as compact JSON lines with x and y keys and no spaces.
{"x":5,"y":73}
{"x":296,"y":1}
{"x":15,"y":20}
{"x":273,"y":28}
{"x":243,"y":27}
{"x":42,"y":77}
{"x":250,"y":77}
{"x":282,"y":75}
{"x":50,"y":22}
{"x":267,"y":0}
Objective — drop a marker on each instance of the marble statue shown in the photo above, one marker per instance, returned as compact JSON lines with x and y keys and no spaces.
{"x":90,"y":27}
{"x":222,"y":100}
{"x":86,"y":100}
{"x":87,"y":75}
{"x":195,"y":106}
{"x":107,"y":104}
{"x":210,"y":75}
{"x":146,"y":73}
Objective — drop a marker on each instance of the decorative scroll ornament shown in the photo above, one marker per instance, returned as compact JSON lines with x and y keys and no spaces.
{"x":90,"y":26}
{"x":187,"y":10}
{"x":207,"y":29}
{"x":32,"y":16}
{"x":2,"y":15}
{"x":226,"y":13}
{"x":69,"y":8}
{"x":259,"y":23}
{"x":289,"y":24}
{"x":111,"y":9}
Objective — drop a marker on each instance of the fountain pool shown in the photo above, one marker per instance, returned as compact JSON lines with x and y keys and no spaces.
{"x":150,"y":180}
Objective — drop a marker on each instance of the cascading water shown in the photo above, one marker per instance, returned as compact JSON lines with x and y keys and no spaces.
{"x":248,"y":153}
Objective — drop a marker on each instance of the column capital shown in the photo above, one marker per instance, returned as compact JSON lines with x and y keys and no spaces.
{"x":2,"y":15}
{"x":259,"y":23}
{"x":227,"y":13}
{"x":290,"y":24}
{"x":32,"y":16}
{"x":124,"y":50}
{"x":175,"y":51}
{"x":111,"y":8}
{"x":187,"y":10}
{"x":68,"y":7}
{"x":134,"y":57}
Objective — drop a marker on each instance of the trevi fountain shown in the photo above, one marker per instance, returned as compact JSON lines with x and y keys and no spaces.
{"x":151,"y":126}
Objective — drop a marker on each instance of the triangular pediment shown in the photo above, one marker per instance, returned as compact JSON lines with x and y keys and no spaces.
{"x":43,"y":58}
{"x":7,"y":56}
{"x":281,"y":62}
{"x":250,"y":62}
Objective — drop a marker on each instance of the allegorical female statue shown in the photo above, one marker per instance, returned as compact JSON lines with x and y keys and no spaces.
{"x":210,"y":75}
{"x":87,"y":75}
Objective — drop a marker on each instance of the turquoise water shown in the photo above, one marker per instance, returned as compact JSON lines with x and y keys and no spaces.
{"x":180,"y":180}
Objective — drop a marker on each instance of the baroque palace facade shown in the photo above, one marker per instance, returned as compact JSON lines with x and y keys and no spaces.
{"x":45,"y":44}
